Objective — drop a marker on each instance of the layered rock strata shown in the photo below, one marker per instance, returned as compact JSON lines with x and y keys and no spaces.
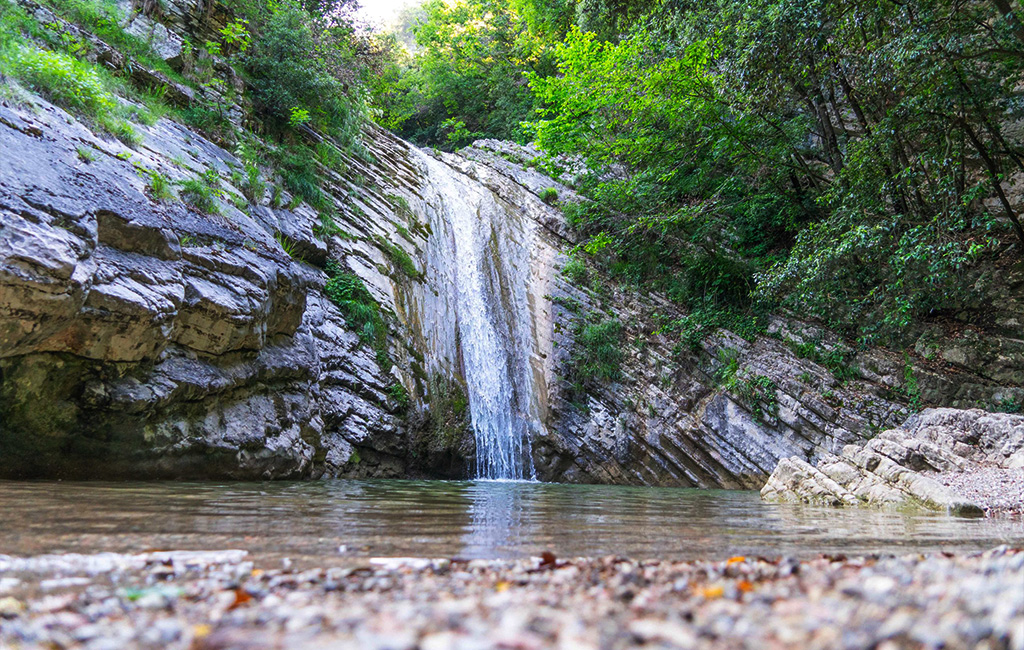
{"x":143,"y":337}
{"x":967,"y":462}
{"x":724,"y":412}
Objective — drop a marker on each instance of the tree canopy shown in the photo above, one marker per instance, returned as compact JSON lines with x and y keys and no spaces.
{"x":850,"y":160}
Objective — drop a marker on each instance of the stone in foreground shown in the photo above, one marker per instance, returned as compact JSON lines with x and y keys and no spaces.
{"x":203,"y":601}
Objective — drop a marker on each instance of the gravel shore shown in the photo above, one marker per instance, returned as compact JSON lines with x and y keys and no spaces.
{"x":998,"y":490}
{"x":218,"y":600}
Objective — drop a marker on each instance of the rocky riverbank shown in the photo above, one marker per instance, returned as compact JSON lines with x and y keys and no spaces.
{"x":219,"y":600}
{"x":970,"y":463}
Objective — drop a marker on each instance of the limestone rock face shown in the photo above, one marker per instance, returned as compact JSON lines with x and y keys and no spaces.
{"x":142,"y":338}
{"x":671,"y":421}
{"x":682,"y":416}
{"x":943,"y":459}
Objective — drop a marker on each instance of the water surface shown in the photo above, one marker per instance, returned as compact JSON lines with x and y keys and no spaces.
{"x":309,"y":521}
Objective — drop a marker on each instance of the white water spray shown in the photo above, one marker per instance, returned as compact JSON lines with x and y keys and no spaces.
{"x":486,"y":271}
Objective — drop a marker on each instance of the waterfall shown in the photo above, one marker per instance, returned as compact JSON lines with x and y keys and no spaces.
{"x":481,"y":262}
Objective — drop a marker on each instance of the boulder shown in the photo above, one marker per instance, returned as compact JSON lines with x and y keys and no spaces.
{"x":925,"y":462}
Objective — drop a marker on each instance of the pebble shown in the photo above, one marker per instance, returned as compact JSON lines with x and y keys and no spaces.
{"x":10,"y":607}
{"x":218,"y":600}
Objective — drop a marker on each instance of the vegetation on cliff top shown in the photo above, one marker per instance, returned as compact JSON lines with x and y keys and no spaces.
{"x":304,"y":69}
{"x":847,"y":160}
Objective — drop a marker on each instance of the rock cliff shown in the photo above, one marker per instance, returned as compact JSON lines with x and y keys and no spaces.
{"x":723,"y":412}
{"x":142,"y":336}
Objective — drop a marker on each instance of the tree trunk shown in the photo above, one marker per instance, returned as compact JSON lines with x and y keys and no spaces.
{"x":993,"y":172}
{"x":1004,"y":8}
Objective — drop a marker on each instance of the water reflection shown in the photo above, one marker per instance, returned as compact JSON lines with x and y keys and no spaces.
{"x":499,"y":522}
{"x":310,"y":521}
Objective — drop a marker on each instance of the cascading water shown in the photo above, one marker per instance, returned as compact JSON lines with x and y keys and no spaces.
{"x":479,"y":252}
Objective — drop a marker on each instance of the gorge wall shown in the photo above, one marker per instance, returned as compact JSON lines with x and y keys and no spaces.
{"x":145,"y":338}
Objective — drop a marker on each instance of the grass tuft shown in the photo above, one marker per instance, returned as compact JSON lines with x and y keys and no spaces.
{"x":362,"y":313}
{"x":202,"y":192}
{"x":159,"y":186}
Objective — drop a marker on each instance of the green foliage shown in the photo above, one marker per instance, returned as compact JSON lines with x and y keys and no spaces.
{"x":1009,"y":405}
{"x":207,"y":118}
{"x":910,"y":388}
{"x":104,"y":19}
{"x":786,"y":152}
{"x":362,"y":313}
{"x":620,"y":102}
{"x":298,"y":117}
{"x":17,"y":26}
{"x":85,"y":155}
{"x":466,"y":79}
{"x":759,"y":393}
{"x":705,"y":319}
{"x":669,"y":223}
{"x":548,"y":195}
{"x":457,"y":134}
{"x":61,"y":75}
{"x":399,"y":395}
{"x":330,"y":157}
{"x":286,"y":243}
{"x":729,"y":366}
{"x":332,"y":268}
{"x":122,"y":130}
{"x":756,"y":391}
{"x":571,"y":305}
{"x":251,"y":183}
{"x":301,"y":69}
{"x":188,"y":241}
{"x":64,"y":80}
{"x":327,"y":226}
{"x":159,"y":186}
{"x":400,"y":259}
{"x":597,"y":352}
{"x":201,"y":192}
{"x":401,"y":206}
{"x":838,"y":360}
{"x":575,"y":270}
{"x":300,"y":176}
{"x":236,"y":34}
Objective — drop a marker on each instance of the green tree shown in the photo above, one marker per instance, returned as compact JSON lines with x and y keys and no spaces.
{"x":300,"y":63}
{"x":848,"y":159}
{"x":467,"y":79}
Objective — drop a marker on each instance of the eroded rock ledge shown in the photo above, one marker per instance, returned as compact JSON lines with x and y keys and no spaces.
{"x":967,"y":462}
{"x":144,"y":338}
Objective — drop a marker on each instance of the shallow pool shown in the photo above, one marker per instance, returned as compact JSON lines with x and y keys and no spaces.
{"x":330,"y":521}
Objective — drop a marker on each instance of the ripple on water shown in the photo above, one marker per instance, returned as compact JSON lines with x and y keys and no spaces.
{"x":479,"y":519}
